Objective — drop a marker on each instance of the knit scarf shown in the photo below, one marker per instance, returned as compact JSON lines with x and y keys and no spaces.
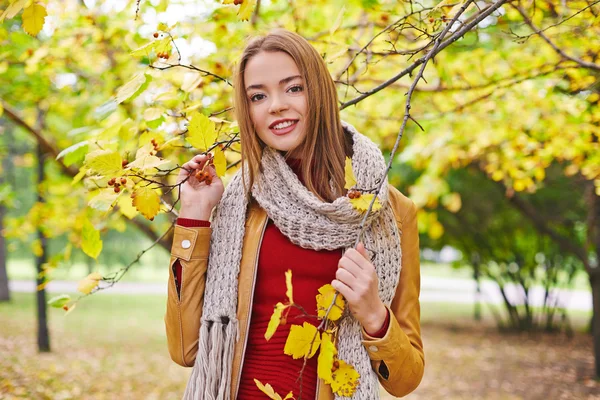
{"x":309,"y":223}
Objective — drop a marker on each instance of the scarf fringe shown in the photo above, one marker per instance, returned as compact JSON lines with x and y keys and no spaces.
{"x":215,"y":353}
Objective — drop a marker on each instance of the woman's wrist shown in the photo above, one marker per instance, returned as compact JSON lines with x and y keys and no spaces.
{"x":196,"y":211}
{"x":377,"y":321}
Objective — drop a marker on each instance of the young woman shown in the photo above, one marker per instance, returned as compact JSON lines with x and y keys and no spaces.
{"x":288,"y":209}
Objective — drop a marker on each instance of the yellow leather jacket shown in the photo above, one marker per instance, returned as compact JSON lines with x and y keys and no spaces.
{"x":397,"y":358}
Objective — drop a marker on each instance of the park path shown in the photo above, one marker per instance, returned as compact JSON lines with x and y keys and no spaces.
{"x":433,"y":289}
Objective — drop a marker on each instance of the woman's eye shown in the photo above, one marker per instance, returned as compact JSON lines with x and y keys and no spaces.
{"x":256,"y":97}
{"x":296,"y":88}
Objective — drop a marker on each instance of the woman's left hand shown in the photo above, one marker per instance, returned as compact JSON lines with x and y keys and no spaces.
{"x":357,"y":281}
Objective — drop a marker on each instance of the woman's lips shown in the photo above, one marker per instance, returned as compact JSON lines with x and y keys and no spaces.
{"x":284,"y":131}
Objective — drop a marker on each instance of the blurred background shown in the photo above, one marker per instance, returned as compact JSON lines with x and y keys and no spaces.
{"x":501,"y":156}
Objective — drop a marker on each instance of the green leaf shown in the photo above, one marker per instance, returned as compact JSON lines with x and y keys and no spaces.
{"x":59,"y":301}
{"x":91,"y":244}
{"x":74,"y":153}
{"x":104,"y":200}
{"x":132,"y":88}
{"x":103,"y":162}
{"x":201,"y":132}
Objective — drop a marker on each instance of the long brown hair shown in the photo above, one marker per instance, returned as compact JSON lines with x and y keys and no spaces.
{"x":325,"y":146}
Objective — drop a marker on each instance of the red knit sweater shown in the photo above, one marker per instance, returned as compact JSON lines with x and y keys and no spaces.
{"x":264,"y":360}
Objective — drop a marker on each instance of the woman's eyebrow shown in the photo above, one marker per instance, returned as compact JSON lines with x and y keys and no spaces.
{"x":281,"y":82}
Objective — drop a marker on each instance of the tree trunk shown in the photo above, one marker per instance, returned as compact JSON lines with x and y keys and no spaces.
{"x":4,"y":290}
{"x":595,"y":284}
{"x":42,"y":316}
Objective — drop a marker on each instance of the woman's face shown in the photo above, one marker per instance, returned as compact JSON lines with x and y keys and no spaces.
{"x":277,"y":99}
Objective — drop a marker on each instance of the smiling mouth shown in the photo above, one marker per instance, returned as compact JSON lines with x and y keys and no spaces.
{"x":284,"y":127}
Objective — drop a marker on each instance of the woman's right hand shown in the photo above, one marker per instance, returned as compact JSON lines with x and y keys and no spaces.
{"x":197,"y":198}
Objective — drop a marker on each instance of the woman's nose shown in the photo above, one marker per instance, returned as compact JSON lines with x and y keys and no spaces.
{"x":277,"y":105}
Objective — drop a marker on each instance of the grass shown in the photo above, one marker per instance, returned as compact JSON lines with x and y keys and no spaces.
{"x":114,"y":346}
{"x":152,"y":268}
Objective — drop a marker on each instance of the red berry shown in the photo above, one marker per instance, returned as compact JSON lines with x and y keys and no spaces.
{"x":117,"y":189}
{"x":208,"y":180}
{"x":123,"y":181}
{"x":65,"y":307}
{"x":124,"y":163}
{"x":110,"y":183}
{"x":155,"y":34}
{"x":431,"y":19}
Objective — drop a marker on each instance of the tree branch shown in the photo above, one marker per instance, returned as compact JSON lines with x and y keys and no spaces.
{"x":557,"y":49}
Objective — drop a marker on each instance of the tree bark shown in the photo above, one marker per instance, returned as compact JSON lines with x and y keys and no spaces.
{"x":43,"y":336}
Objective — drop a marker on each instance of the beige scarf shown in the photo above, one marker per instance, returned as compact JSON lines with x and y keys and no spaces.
{"x":309,"y":223}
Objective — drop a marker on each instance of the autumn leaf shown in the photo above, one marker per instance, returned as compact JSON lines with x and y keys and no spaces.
{"x":345,"y":379}
{"x":89,"y":283}
{"x":220,"y":162}
{"x":298,"y":343}
{"x":275,"y":320}
{"x":350,"y":178}
{"x":103,"y":162}
{"x":33,"y":18}
{"x":362,"y":203}
{"x":201,"y":132}
{"x":326,"y":358}
{"x":324,"y":299}
{"x":288,"y":284}
{"x":147,"y":201}
{"x":246,"y":9}
{"x":91,"y":244}
{"x":104,"y":200}
{"x":157,"y":46}
{"x":59,"y":301}
{"x":269,"y":391}
{"x":13,"y":9}
{"x":126,"y":207}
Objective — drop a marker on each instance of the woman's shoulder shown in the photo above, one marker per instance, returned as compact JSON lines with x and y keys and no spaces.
{"x":401,"y":205}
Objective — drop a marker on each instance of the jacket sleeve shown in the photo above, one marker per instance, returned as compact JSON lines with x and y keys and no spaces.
{"x":184,"y":308}
{"x":398,"y":357}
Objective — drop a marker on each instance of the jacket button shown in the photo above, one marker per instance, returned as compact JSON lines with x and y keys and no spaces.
{"x":373,"y":349}
{"x":186,"y":244}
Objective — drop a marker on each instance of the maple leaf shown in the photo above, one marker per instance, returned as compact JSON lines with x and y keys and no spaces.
{"x":33,"y":18}
{"x":201,"y":131}
{"x":275,"y":320}
{"x":288,"y":285}
{"x":298,"y":343}
{"x":345,"y":379}
{"x":349,"y":174}
{"x":269,"y":391}
{"x":324,"y":299}
{"x":362,"y":203}
{"x":326,"y":357}
{"x":87,"y":284}
{"x":146,"y":201}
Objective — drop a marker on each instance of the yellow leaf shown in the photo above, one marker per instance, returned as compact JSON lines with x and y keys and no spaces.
{"x":162,"y":45}
{"x":126,"y":208}
{"x":33,"y":19}
{"x":288,"y":284}
{"x":298,"y":343}
{"x":91,"y":244}
{"x":89,"y":283}
{"x":436,"y":230}
{"x":324,"y":299}
{"x":326,"y":358}
{"x":36,"y":248}
{"x":103,"y":162}
{"x":104,"y":200}
{"x":452,"y":202}
{"x":201,"y":132}
{"x":246,"y":9}
{"x":345,"y":379}
{"x":350,"y":178}
{"x":269,"y":391}
{"x":152,"y":113}
{"x":275,"y":320}
{"x":362,"y":203}
{"x":146,"y":201}
{"x":220,"y":162}
{"x":13,"y":9}
{"x":338,"y":22}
